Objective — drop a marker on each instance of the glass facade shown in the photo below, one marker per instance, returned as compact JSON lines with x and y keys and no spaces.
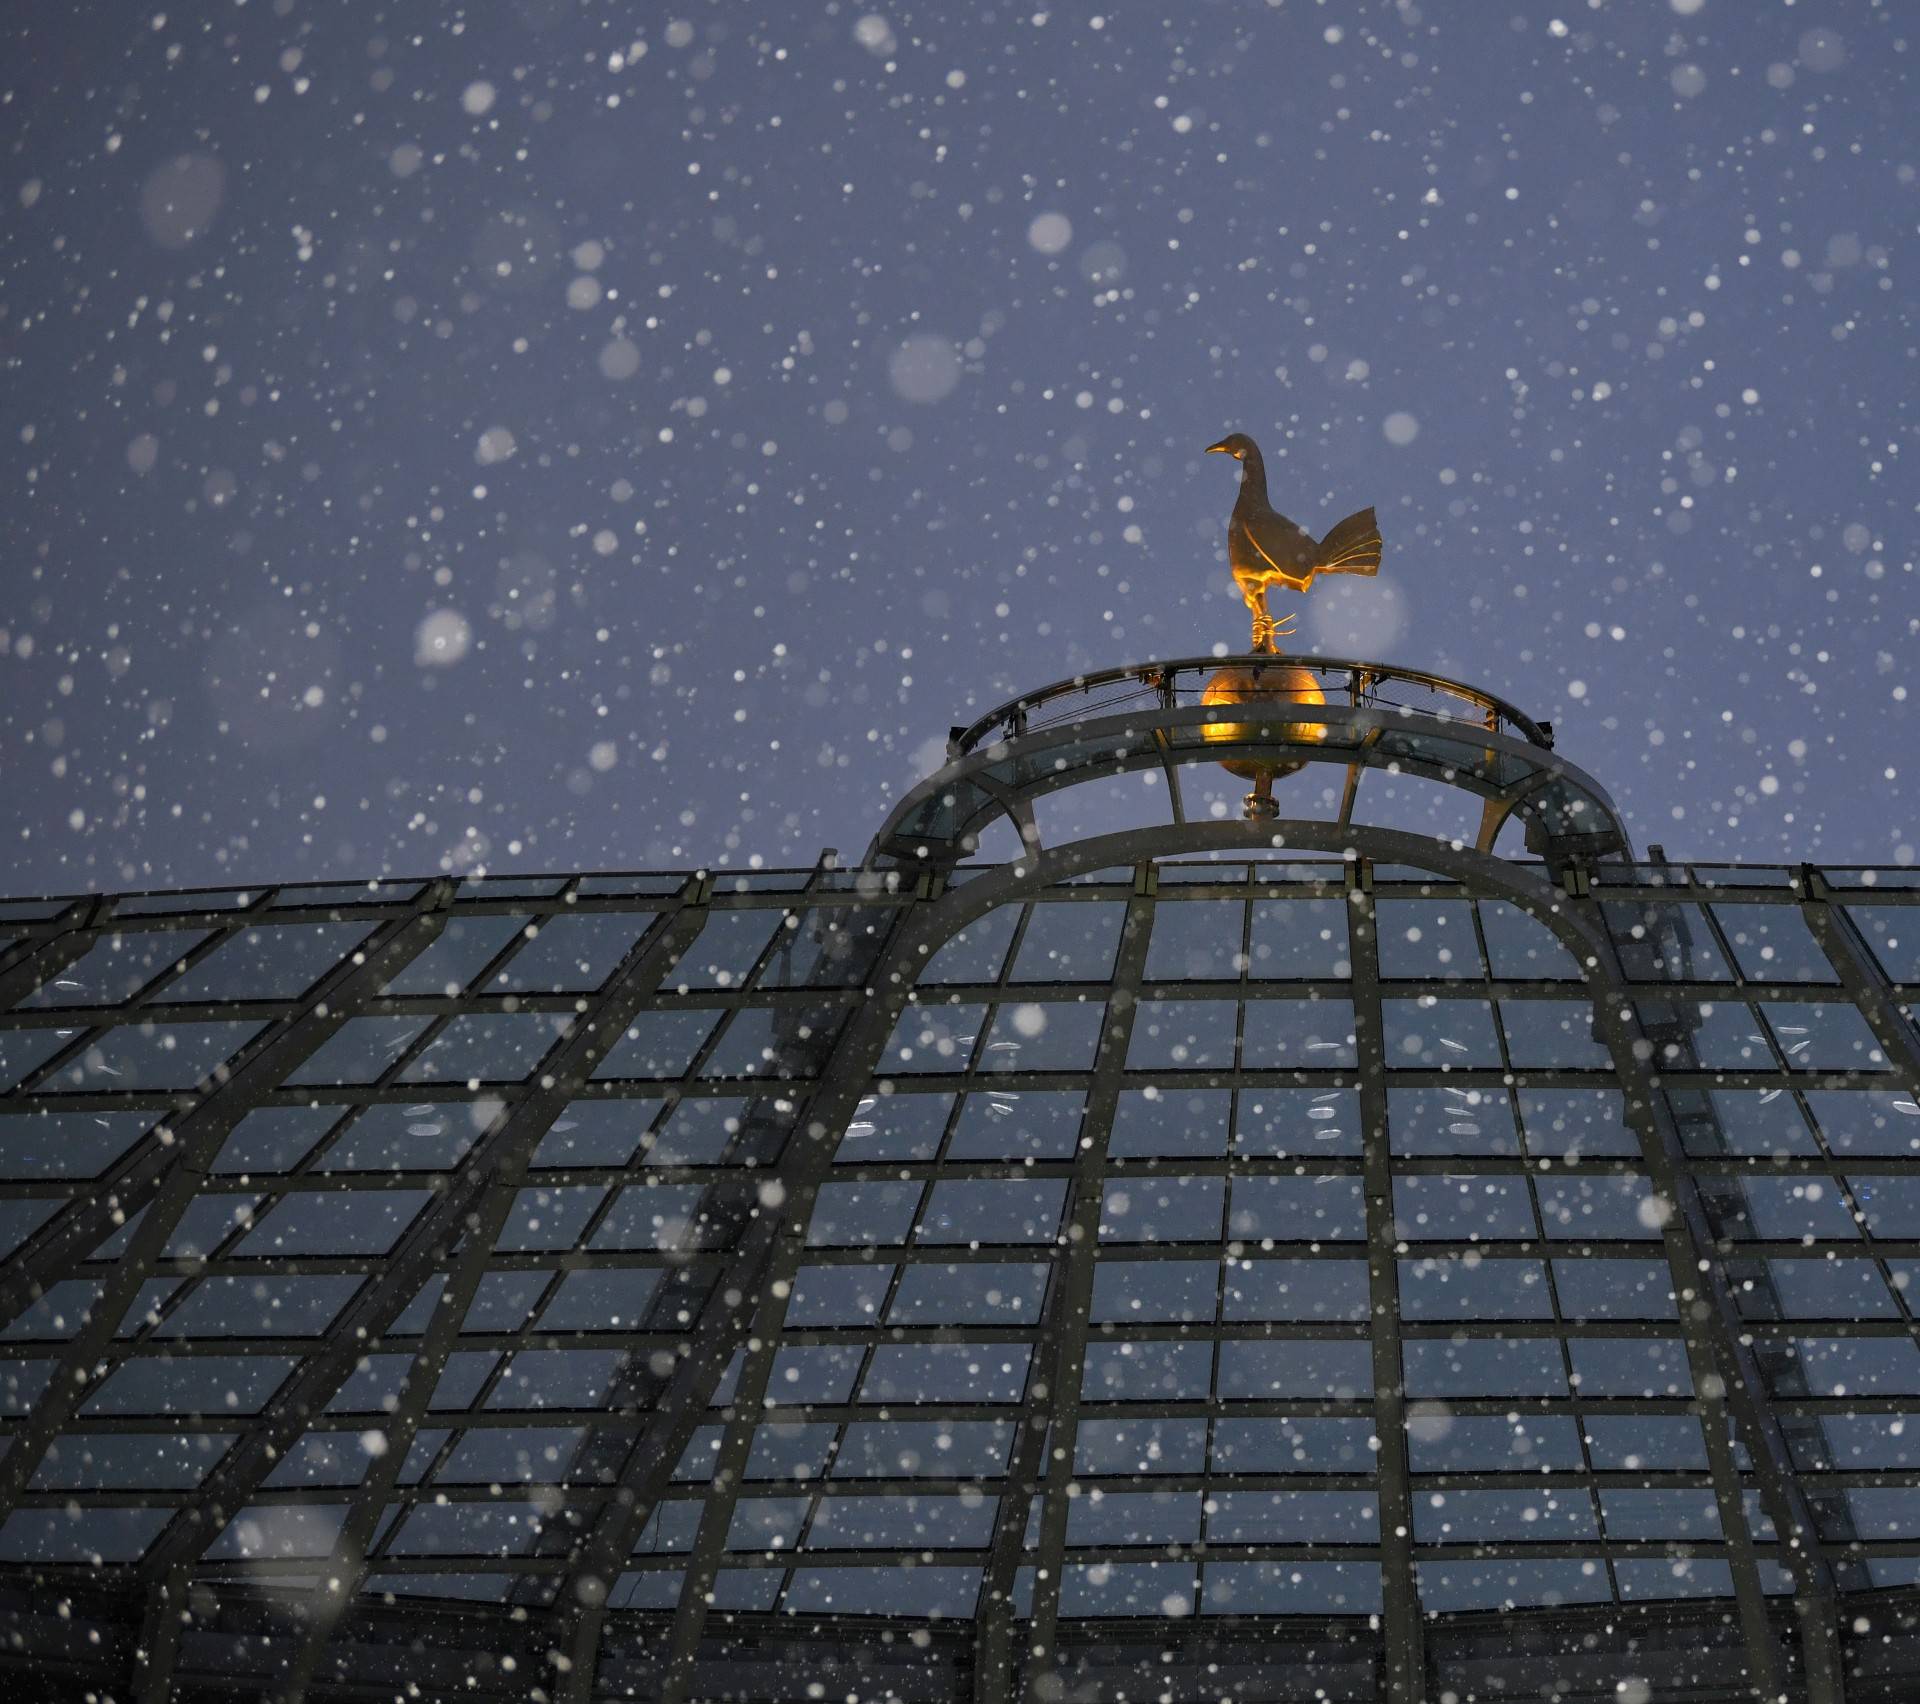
{"x":1153,"y":1267}
{"x":1197,"y":1246}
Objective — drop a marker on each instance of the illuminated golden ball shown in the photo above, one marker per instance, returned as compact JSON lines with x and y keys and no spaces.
{"x":1259,"y":683}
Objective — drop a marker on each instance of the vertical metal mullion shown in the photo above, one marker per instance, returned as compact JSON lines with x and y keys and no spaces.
{"x":133,"y":1182}
{"x":1076,"y":1287}
{"x":717,"y":1509}
{"x":505,"y":1153}
{"x":1401,"y":1623}
{"x":993,"y":1667}
{"x":741,"y":1417}
{"x":157,"y":1654}
{"x":1726,"y":1378}
{"x":49,"y":947}
{"x":186,"y":1155}
{"x":1861,"y":979}
{"x":1578,"y":1404}
{"x":993,"y":1658}
{"x":764,"y":1259}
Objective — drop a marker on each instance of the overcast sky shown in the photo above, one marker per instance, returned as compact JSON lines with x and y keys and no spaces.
{"x":545,"y":435}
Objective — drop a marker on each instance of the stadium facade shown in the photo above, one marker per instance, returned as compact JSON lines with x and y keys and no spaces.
{"x":1098,"y":1245}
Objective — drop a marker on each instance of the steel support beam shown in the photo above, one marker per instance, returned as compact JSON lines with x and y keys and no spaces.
{"x":407,"y":1268}
{"x":157,"y":1655}
{"x":1867,"y":989}
{"x":502,"y":1160}
{"x":1399,"y":1584}
{"x":1726,"y":1376}
{"x":49,"y":948}
{"x":1074,"y":1275}
{"x":182,"y":1157}
{"x":759,"y":1270}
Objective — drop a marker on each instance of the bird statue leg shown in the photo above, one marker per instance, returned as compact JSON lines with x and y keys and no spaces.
{"x":1267,"y":627}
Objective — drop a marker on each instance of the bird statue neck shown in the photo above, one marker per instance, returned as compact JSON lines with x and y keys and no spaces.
{"x":1253,"y":476}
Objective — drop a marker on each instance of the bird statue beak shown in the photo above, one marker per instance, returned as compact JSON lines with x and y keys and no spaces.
{"x":1220,"y":448}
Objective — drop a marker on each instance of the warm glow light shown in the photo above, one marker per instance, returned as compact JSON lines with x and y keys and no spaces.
{"x":1251,"y":683}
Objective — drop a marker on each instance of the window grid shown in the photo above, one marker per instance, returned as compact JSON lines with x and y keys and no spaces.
{"x":1860,"y":1184}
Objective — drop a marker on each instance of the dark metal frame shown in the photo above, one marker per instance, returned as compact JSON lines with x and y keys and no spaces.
{"x":740,"y":1276}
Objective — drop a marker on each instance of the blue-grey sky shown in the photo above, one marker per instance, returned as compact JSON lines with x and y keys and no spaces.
{"x":547,"y":434}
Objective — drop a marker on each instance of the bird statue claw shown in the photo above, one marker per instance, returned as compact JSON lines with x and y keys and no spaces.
{"x":1268,"y":628}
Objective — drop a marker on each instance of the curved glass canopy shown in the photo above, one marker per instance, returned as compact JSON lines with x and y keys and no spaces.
{"x":1152,"y":718}
{"x":1159,"y":1265}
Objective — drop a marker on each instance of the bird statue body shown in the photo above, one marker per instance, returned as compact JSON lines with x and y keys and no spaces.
{"x":1264,"y":548}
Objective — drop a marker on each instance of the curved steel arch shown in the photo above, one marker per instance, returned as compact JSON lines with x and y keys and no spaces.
{"x":1726,"y":1379}
{"x":941,"y":819}
{"x":1163,"y":678}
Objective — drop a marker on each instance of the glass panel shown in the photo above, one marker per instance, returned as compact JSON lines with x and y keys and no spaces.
{"x":1297,"y":1209}
{"x":1666,"y":943}
{"x":1009,"y":1125}
{"x":1277,"y":1122}
{"x":456,"y":956}
{"x":1600,"y":1208}
{"x":1460,"y":1209}
{"x":1260,"y":1371}
{"x":363,"y":1222}
{"x":979,"y":1293}
{"x":993,"y":1211}
{"x":1440,"y":1441}
{"x":276,"y":963}
{"x":934,"y":1038}
{"x":570,"y":954}
{"x":1589,"y":1123}
{"x":1867,"y":1121}
{"x":725,"y":950}
{"x":1552,"y":1035}
{"x":599,"y":1133}
{"x":154,"y":1056}
{"x":977,"y":952}
{"x":488,"y":1047}
{"x":946,"y":1372}
{"x":1448,"y":1120}
{"x":862,"y":1214}
{"x":1155,"y":1208}
{"x":1069,"y":943}
{"x":1892,"y":934}
{"x":1428,"y":940}
{"x":897,"y":1127}
{"x":360,"y":1051}
{"x":409,"y":1137}
{"x":1521,"y":948}
{"x":116,"y":968}
{"x":1824,"y":1038}
{"x":658,"y":1044}
{"x":275,"y":1139}
{"x":1295,"y":1290}
{"x":1196,"y":940}
{"x":1614,"y":1289}
{"x":1135,"y":1291}
{"x":1472,"y":1288}
{"x":1740,"y":1121}
{"x":1182,"y":1035}
{"x":1433,"y":1034}
{"x":1772,"y":943}
{"x":1293,"y":1033}
{"x":824,"y":949}
{"x":68,"y":1144}
{"x":25,"y":1050}
{"x":1155,"y":1123}
{"x":1051,"y":1037}
{"x":1300,"y":939}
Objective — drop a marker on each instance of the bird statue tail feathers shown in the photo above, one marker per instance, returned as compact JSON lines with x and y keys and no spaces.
{"x":1352,"y":547}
